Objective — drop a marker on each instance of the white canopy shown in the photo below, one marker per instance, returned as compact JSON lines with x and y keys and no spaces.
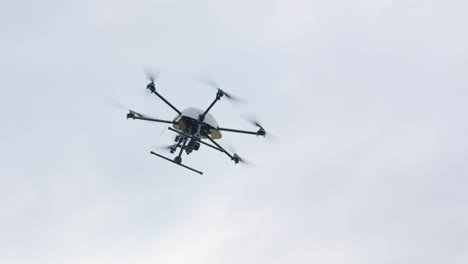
{"x":194,"y":113}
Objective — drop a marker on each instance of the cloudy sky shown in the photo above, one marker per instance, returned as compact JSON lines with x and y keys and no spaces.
{"x":366,"y":99}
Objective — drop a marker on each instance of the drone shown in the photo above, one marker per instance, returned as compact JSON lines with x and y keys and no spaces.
{"x":194,"y":126}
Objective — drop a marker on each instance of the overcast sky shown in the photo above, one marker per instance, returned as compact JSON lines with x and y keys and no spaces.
{"x":366,"y":99}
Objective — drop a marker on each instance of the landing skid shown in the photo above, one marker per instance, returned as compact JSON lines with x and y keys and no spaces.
{"x":180,"y":164}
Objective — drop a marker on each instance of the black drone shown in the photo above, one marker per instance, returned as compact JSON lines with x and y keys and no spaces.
{"x":194,"y":125}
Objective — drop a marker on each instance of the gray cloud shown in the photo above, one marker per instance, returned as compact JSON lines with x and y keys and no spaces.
{"x":365,"y":99}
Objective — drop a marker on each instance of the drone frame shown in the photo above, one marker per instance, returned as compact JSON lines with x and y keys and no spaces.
{"x":183,"y":137}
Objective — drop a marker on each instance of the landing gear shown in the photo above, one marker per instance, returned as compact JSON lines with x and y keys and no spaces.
{"x":177,"y":160}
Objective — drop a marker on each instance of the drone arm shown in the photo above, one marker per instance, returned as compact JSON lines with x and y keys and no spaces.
{"x":167,"y":102}
{"x":218,"y":96}
{"x":152,"y":88}
{"x":135,"y":116}
{"x":221,"y":148}
{"x":260,"y":132}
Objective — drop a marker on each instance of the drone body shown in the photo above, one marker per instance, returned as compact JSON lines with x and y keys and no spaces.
{"x":193,"y":126}
{"x":187,"y":121}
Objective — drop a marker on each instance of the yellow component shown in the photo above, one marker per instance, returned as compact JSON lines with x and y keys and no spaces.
{"x":215,"y":134}
{"x":178,"y":124}
{"x":175,"y":123}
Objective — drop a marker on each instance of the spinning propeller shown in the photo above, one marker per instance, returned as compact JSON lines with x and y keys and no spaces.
{"x":131,"y":114}
{"x":237,"y":158}
{"x":208,"y":80}
{"x":152,"y":76}
{"x":255,"y":122}
{"x":164,"y":147}
{"x":170,"y":148}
